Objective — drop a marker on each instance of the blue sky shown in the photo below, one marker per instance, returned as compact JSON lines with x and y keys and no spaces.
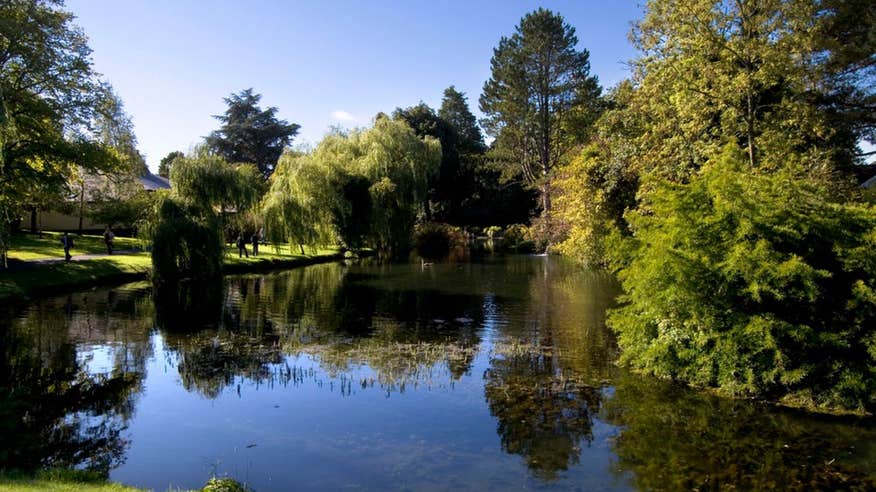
{"x":320,"y":62}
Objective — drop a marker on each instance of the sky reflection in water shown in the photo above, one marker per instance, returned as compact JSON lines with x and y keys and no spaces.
{"x":488,"y":376}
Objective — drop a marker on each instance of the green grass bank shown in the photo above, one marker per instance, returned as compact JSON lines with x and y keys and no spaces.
{"x":63,"y":480}
{"x":35,"y":269}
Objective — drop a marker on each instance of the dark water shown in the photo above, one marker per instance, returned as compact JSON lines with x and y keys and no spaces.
{"x":485,"y":376}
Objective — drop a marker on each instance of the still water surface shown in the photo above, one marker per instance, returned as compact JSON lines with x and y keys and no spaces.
{"x":491,"y":375}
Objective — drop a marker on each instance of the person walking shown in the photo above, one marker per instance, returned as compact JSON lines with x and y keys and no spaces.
{"x":67,"y":242}
{"x":108,"y":237}
{"x":241,"y":247}
{"x":255,"y":243}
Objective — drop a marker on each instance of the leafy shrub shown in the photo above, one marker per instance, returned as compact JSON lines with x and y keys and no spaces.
{"x":434,"y":241}
{"x":547,"y":231}
{"x":757,"y":284}
{"x":514,"y":235}
{"x":224,"y":484}
{"x":596,"y":188}
{"x":493,"y":231}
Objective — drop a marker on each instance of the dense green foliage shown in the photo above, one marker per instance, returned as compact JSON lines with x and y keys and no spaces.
{"x":600,"y":184}
{"x":366,"y":188}
{"x":468,"y":188}
{"x":758,"y":283}
{"x":50,"y":97}
{"x":718,"y":184}
{"x":251,"y":135}
{"x":187,"y":227}
{"x":167,"y":162}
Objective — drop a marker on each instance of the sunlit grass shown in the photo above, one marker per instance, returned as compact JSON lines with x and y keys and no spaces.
{"x":268,"y":253}
{"x":60,"y":274}
{"x":23,"y":281}
{"x":34,"y":247}
{"x":64,"y":480}
{"x":59,"y":481}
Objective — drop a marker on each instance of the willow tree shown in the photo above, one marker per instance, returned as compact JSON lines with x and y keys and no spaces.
{"x":296,"y":208}
{"x":398,"y":164}
{"x":363,"y":188}
{"x":189,"y":221}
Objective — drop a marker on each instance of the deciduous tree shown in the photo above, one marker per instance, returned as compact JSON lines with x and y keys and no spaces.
{"x":50,"y":95}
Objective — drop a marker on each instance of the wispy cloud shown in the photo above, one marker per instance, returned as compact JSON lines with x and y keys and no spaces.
{"x":343,"y":116}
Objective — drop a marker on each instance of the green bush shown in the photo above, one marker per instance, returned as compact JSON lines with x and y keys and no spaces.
{"x":758,"y":284}
{"x":492,"y":231}
{"x":514,"y":235}
{"x":434,"y":241}
{"x":226,"y":484}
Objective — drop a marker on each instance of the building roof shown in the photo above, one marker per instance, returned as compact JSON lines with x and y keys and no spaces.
{"x":152,"y":182}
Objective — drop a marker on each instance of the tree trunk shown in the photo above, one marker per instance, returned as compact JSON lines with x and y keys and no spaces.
{"x":751,"y":129}
{"x":427,"y":208}
{"x":546,"y":197}
{"x":33,"y":220}
{"x":81,"y":206}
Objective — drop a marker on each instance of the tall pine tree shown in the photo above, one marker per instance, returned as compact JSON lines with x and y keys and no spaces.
{"x":250,"y":134}
{"x":538,"y":77}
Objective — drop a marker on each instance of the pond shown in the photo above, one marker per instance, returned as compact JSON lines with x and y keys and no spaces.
{"x":489,"y":375}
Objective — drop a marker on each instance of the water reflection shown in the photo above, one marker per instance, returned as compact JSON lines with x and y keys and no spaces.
{"x":486,"y":375}
{"x":678,"y":439}
{"x":543,"y":416}
{"x":64,"y":401}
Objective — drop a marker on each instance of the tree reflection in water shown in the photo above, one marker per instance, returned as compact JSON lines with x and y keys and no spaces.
{"x":676,"y":438}
{"x":343,"y":318}
{"x":55,"y":410}
{"x":525,"y":337}
{"x":543,"y":416}
{"x":546,"y":386}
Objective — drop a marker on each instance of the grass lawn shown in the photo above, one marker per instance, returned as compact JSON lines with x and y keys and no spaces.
{"x":59,"y":481}
{"x":34,"y":247}
{"x":271,"y":253}
{"x":57,"y":275}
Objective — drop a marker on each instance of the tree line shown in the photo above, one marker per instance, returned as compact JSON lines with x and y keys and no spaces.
{"x":719,"y":182}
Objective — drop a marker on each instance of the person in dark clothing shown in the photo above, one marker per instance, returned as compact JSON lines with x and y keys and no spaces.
{"x":241,"y":247}
{"x":255,"y":243}
{"x":67,"y":242}
{"x":108,"y":237}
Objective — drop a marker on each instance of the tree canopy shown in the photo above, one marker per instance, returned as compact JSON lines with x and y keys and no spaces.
{"x":367,"y":187}
{"x":188,"y":223}
{"x":167,"y":162}
{"x":539,"y":83}
{"x":250,"y":134}
{"x":718,"y":185}
{"x":51,"y":97}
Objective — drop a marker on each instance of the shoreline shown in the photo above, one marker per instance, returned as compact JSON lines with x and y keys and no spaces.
{"x":62,"y":277}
